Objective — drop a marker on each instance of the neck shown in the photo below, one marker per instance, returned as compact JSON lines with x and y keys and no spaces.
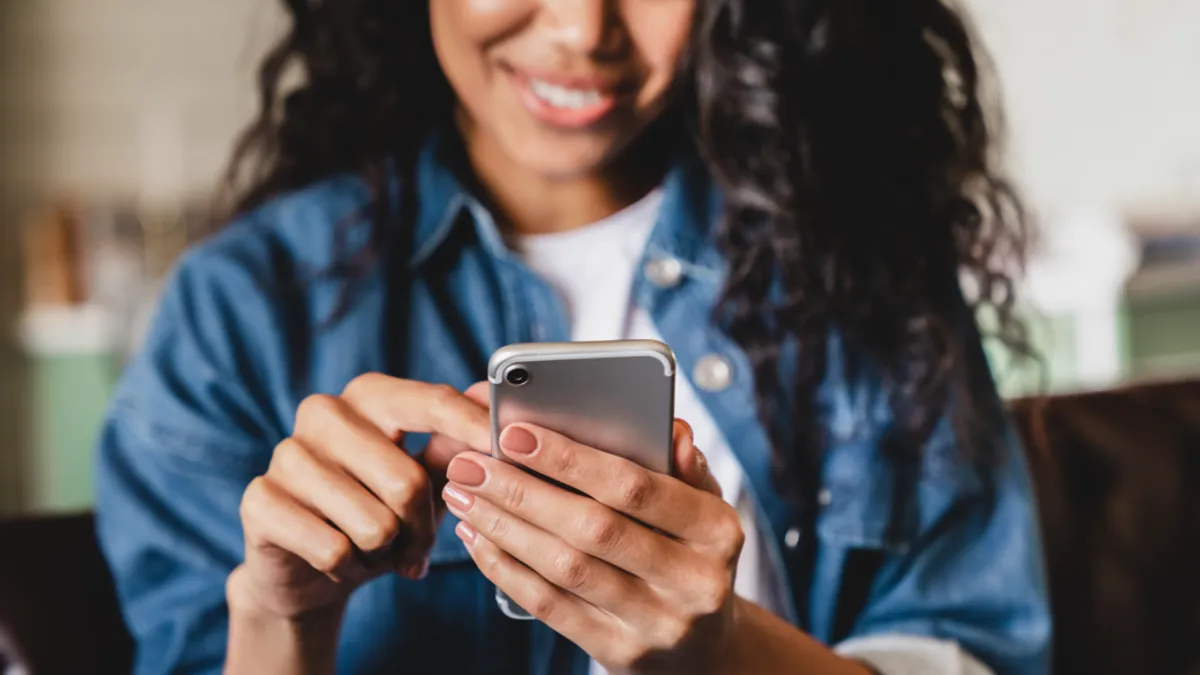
{"x":526,"y":202}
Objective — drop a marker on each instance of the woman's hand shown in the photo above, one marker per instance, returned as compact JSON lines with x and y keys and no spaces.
{"x":638,"y":570}
{"x":342,"y":502}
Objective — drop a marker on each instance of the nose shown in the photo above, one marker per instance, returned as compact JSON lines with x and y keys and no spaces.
{"x":586,"y":26}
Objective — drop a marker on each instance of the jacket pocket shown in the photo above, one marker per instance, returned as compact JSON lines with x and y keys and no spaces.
{"x":873,"y":501}
{"x":864,"y":499}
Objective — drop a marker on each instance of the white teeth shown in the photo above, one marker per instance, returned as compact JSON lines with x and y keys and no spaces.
{"x":562,"y":97}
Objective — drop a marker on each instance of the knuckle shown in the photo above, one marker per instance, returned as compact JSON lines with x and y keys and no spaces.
{"x":441,"y":398}
{"x":542,"y":603}
{"x":601,"y":532}
{"x":442,"y":394}
{"x":634,"y":491}
{"x":564,"y":464}
{"x":711,"y":594}
{"x":316,"y":409}
{"x":289,"y":457}
{"x":404,"y":489}
{"x":363,"y":383}
{"x":380,"y":532}
{"x":572,"y":571}
{"x":497,"y":528}
{"x":485,"y":559}
{"x":333,"y":556}
{"x":730,"y":537}
{"x":253,"y":499}
{"x":512,"y":494}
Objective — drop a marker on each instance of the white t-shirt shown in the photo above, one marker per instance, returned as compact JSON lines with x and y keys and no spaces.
{"x":593,"y":269}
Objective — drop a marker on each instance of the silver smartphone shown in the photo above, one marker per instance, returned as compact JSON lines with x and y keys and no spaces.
{"x":617,"y":396}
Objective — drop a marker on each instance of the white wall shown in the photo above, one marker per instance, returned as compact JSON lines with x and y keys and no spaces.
{"x":100,"y":98}
{"x":1103,"y":99}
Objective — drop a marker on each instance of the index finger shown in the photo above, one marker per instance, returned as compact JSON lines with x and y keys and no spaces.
{"x":397,"y":406}
{"x":660,"y":501}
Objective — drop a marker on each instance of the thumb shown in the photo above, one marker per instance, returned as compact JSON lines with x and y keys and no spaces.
{"x":691,"y":466}
{"x":441,"y":450}
{"x":480,"y":392}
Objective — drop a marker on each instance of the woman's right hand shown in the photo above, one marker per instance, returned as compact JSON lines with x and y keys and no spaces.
{"x":342,"y":502}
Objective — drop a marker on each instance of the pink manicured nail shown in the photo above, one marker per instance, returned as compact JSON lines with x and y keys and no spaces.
{"x":457,"y":499}
{"x":518,"y":441}
{"x":466,"y":533}
{"x":464,"y":470}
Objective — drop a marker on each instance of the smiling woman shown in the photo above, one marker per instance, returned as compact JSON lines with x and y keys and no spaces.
{"x":786,"y":193}
{"x":560,"y":111}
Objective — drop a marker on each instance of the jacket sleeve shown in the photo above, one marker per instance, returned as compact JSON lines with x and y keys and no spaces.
{"x":952,"y":540}
{"x":973,"y":574}
{"x":186,"y":432}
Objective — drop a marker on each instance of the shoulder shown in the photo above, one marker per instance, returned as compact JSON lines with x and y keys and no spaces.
{"x":235,"y":314}
{"x":243,"y":276}
{"x":304,"y":228}
{"x":882,"y":495}
{"x":969,"y":432}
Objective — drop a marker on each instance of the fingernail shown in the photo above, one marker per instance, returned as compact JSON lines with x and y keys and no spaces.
{"x":457,"y":499}
{"x":418,"y":570}
{"x":466,"y":533}
{"x":687,"y":430}
{"x":518,"y":440}
{"x":701,"y":460}
{"x":466,"y":471}
{"x":415,"y":569}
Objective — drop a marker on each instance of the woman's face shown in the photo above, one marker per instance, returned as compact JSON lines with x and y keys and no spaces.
{"x":560,"y":86}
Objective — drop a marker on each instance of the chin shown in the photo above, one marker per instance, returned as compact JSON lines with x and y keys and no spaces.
{"x":560,"y":160}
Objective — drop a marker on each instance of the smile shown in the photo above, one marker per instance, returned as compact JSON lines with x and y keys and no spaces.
{"x":564,"y":97}
{"x":567,"y":103}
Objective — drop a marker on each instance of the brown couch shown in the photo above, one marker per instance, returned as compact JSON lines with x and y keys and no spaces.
{"x":58,"y":611}
{"x":1118,"y":483}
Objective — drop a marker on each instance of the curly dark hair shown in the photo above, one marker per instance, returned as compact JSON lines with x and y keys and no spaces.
{"x":850,"y":139}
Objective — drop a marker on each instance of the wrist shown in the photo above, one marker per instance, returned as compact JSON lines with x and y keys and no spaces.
{"x":759,"y":642}
{"x":246,"y":603}
{"x":727,"y":657}
{"x":263,"y":641}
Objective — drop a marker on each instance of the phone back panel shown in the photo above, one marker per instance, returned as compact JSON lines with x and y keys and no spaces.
{"x":615,"y":396}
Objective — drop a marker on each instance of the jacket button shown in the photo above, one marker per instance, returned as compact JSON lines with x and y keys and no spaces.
{"x":792,"y":539}
{"x":664,"y":272}
{"x":713,"y":372}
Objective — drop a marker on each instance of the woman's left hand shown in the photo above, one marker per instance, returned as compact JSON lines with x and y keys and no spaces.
{"x":638,"y":570}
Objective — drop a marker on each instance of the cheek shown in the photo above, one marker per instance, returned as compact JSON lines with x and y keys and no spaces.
{"x":463,"y":30}
{"x":483,"y":21}
{"x":660,"y":34}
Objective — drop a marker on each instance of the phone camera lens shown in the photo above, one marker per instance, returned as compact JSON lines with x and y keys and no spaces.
{"x":517,"y":376}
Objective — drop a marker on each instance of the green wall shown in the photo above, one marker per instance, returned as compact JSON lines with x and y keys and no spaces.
{"x":70,"y":394}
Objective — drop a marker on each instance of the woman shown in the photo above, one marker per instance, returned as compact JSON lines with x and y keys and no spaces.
{"x":785,"y":192}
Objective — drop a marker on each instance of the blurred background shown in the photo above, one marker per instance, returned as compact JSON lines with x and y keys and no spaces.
{"x":116,"y":117}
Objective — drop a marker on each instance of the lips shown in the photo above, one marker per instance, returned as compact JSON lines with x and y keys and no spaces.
{"x":566,"y":97}
{"x":567,"y":102}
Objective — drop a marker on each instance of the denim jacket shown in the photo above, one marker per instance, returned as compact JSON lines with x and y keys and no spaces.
{"x":947,"y":548}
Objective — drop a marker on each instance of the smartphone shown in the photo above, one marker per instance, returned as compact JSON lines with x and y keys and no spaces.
{"x":617,"y":396}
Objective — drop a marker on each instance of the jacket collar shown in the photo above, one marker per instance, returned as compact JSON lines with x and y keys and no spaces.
{"x":691,"y":208}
